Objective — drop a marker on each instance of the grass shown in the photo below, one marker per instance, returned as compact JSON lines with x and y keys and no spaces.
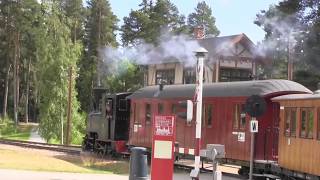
{"x":10,"y":131}
{"x":29,"y":160}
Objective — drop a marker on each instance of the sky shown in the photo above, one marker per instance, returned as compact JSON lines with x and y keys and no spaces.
{"x":232,"y":16}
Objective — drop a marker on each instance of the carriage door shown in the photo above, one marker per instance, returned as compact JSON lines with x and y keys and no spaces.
{"x":275,"y":129}
{"x":109,"y":115}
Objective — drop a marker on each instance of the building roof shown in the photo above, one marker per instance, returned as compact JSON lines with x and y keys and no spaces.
{"x":219,"y":45}
{"x":216,"y":47}
{"x":268,"y":88}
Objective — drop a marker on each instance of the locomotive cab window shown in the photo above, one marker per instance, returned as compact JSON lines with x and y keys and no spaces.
{"x":290,"y":122}
{"x":306,"y":123}
{"x":123,"y":105}
{"x":109,"y":107}
{"x":148,"y":113}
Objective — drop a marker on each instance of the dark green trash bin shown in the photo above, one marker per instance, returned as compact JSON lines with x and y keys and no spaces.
{"x":138,"y":164}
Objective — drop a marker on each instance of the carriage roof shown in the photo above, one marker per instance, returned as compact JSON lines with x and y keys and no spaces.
{"x":223,"y":89}
{"x":297,"y":97}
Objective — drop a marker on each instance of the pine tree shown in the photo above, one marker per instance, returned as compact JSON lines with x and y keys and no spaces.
{"x":148,"y":22}
{"x":292,"y":33}
{"x":99,"y":32}
{"x":75,"y":12}
{"x":203,"y":17}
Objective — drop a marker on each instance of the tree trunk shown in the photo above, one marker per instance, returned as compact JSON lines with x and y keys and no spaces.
{"x":5,"y":99}
{"x":15,"y":80}
{"x":69,"y":123}
{"x":27,"y":93}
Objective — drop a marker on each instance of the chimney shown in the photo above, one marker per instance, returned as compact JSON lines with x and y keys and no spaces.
{"x":198,"y":32}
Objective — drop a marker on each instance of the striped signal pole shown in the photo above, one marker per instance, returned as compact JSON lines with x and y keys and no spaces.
{"x":200,"y":54}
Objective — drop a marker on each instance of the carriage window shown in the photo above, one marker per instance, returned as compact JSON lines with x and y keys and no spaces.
{"x":236,"y":113}
{"x":148,"y":113}
{"x":318,"y":128}
{"x":242,"y":117}
{"x":122,"y":105}
{"x":173,"y":108}
{"x":290,"y":122}
{"x":239,"y":117}
{"x":160,"y":108}
{"x":306,"y":129}
{"x":209,"y":115}
{"x":136,"y":113}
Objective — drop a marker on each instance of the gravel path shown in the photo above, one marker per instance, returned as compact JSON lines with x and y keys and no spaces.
{"x":6,"y":174}
{"x":35,"y":137}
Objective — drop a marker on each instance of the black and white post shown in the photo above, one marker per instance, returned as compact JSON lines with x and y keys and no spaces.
{"x":200,"y":54}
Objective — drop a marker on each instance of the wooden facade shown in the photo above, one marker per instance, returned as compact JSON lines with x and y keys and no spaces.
{"x":299,"y":140}
{"x":230,"y":58}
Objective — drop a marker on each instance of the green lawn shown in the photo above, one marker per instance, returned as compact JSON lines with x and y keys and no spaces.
{"x":33,"y":160}
{"x":21,"y":132}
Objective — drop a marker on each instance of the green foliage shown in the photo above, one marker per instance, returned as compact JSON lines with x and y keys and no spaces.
{"x":127,"y":78}
{"x":203,"y":17}
{"x":292,"y":32}
{"x":307,"y":78}
{"x":9,"y":130}
{"x":56,"y":54}
{"x":99,"y":31}
{"x":147,"y":23}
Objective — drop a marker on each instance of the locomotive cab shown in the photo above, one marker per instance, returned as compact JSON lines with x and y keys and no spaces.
{"x":107,"y":128}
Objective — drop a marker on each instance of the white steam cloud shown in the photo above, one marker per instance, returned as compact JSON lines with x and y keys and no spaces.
{"x":171,"y":48}
{"x":285,"y":29}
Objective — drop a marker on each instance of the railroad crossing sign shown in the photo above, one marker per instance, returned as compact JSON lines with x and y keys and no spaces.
{"x":163,"y":138}
{"x":254,"y":126}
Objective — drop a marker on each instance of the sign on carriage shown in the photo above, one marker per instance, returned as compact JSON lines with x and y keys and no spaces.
{"x":163,"y":147}
{"x":254,"y":126}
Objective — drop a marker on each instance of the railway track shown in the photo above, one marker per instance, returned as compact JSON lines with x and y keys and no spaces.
{"x":74,"y":150}
{"x":206,"y":170}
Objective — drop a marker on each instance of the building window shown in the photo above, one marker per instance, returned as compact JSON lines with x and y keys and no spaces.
{"x":148,"y":113}
{"x":229,"y":74}
{"x":160,"y":108}
{"x":318,"y":128}
{"x":189,"y":76}
{"x":209,"y":115}
{"x":290,"y":122}
{"x":306,"y":128}
{"x":165,"y":76}
{"x":239,"y":117}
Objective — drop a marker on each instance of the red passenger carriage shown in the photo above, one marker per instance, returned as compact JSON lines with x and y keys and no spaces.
{"x":223,"y":120}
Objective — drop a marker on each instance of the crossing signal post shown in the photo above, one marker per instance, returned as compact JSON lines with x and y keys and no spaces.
{"x":188,"y":113}
{"x":255,"y":106}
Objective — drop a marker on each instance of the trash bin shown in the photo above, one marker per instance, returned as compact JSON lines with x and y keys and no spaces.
{"x":138,"y":164}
